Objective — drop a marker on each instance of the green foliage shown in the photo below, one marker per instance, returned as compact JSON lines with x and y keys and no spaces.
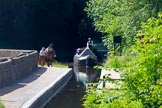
{"x":60,"y":65}
{"x":142,"y":86}
{"x":118,"y":61}
{"x":1,"y":105}
{"x":144,"y":76}
{"x":121,"y":17}
{"x":142,"y":62}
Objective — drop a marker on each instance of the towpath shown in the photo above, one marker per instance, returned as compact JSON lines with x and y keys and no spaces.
{"x":25,"y":91}
{"x":112,"y":75}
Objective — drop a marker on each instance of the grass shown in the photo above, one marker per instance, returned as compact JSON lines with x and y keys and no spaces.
{"x":118,"y":61}
{"x":1,"y":105}
{"x":59,"y":64}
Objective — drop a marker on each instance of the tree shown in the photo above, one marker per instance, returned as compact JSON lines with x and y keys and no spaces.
{"x":121,"y":17}
{"x":142,"y":85}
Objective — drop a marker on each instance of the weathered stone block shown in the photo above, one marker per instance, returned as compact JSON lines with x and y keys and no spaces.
{"x":15,"y":64}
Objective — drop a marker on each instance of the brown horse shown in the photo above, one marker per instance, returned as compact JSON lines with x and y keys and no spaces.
{"x":50,"y":54}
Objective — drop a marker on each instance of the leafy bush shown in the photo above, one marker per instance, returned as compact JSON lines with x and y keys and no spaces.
{"x":117,"y":61}
{"x":142,"y":87}
{"x":1,"y":105}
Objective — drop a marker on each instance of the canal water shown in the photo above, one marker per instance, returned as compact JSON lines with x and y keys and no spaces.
{"x":70,"y":97}
{"x":72,"y":94}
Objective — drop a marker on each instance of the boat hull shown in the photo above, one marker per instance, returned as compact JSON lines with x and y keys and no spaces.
{"x":83,"y":66}
{"x":86,"y":74}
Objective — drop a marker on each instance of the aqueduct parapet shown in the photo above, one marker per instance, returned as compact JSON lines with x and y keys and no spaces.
{"x":15,"y":64}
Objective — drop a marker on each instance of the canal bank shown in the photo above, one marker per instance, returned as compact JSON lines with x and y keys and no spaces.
{"x":71,"y":96}
{"x":37,"y":89}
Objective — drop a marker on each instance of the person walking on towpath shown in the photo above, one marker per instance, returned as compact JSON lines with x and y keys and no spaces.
{"x":42,"y":59}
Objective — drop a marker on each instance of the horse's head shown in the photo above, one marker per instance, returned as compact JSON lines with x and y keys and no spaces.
{"x":50,"y":53}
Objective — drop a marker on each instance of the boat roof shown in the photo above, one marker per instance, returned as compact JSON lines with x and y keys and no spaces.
{"x":86,"y":52}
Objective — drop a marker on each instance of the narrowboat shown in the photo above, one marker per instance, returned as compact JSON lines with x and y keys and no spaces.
{"x":83,"y":66}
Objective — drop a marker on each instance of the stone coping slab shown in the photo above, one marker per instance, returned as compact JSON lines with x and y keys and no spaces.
{"x":25,"y":92}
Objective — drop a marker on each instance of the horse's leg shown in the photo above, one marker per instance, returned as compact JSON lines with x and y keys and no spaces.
{"x":51,"y":62}
{"x":48,"y":62}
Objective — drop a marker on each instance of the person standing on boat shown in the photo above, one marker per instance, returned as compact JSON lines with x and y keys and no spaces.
{"x":89,"y":43}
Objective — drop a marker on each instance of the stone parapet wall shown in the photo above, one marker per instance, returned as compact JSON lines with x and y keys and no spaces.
{"x":15,"y":64}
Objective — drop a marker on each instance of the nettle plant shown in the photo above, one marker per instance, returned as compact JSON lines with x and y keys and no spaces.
{"x":144,"y":78}
{"x":142,"y":85}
